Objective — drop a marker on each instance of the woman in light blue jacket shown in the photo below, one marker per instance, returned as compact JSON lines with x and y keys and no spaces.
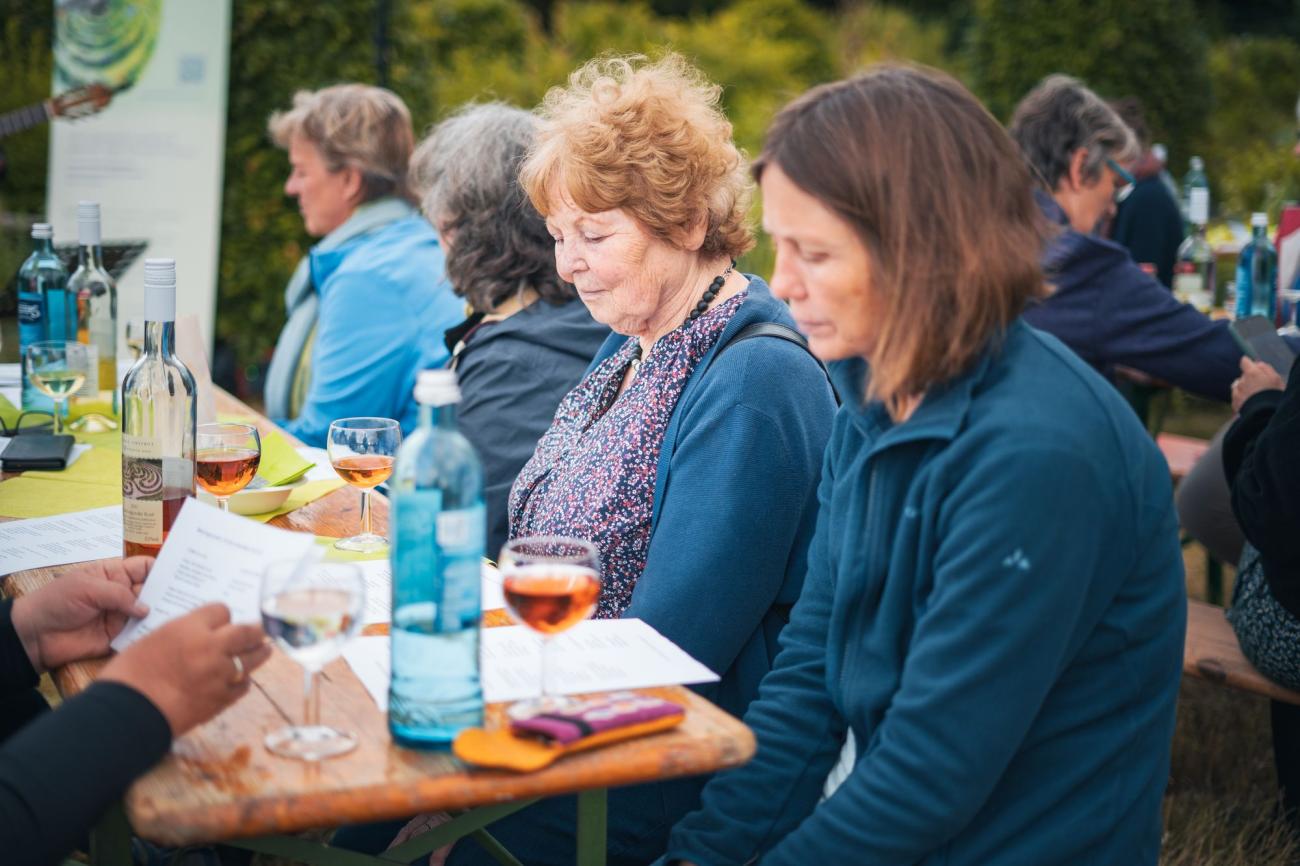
{"x":990,"y":633}
{"x":369,"y":304}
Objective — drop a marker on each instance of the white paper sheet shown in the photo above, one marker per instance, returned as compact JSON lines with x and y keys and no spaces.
{"x":77,"y":450}
{"x":59,"y":540}
{"x":594,"y":656}
{"x":323,"y":470}
{"x":212,"y":556}
{"x":379,"y":589}
{"x":10,"y":374}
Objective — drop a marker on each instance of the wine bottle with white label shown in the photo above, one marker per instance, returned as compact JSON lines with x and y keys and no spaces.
{"x":158,"y":422}
{"x":96,"y":298}
{"x":439,"y":525}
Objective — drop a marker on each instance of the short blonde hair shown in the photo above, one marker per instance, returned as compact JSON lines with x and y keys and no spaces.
{"x":647,"y":138}
{"x":353,"y":126}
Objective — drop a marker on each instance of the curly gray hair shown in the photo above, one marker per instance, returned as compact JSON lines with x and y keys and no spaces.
{"x":1058,"y":117}
{"x":466,"y":174}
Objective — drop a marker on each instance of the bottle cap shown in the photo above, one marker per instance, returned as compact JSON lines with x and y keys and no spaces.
{"x":1160,"y":152}
{"x":160,"y":290}
{"x":42,"y":231}
{"x":1259,"y":219}
{"x":1198,"y":164}
{"x":437,"y":388}
{"x":88,"y":223}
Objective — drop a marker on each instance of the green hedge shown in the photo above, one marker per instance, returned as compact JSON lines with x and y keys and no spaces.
{"x":1232,"y":103}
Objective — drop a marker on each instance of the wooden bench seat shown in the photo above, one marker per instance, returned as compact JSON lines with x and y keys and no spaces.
{"x":1211,"y":652}
{"x":1181,"y":453}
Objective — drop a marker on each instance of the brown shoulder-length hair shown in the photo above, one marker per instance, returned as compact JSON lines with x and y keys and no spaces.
{"x":943,"y":202}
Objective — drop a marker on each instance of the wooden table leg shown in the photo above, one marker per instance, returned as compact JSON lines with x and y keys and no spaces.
{"x":592,"y":827}
{"x":110,"y":840}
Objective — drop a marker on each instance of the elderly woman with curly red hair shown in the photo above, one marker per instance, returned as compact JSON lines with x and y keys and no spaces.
{"x":689,"y":457}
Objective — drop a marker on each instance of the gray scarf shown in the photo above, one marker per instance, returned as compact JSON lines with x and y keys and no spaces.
{"x":301,"y":300}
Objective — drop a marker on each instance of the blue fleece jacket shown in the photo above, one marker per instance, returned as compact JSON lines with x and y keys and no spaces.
{"x":1109,"y":312}
{"x":384,"y":305}
{"x":735,"y":500}
{"x":995,"y":605}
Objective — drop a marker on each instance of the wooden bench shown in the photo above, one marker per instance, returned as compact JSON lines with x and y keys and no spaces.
{"x":1181,"y":453}
{"x":1211,"y":652}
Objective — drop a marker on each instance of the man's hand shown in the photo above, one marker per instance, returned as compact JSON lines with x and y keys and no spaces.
{"x":1256,"y":376}
{"x":80,"y":612}
{"x":187,"y":667}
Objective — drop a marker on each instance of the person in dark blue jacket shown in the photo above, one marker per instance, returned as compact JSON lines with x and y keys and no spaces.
{"x":1102,"y":305}
{"x":990,"y":634}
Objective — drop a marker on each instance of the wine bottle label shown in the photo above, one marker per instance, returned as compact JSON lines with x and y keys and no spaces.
{"x":142,"y":489}
{"x":460,"y":529}
{"x":89,"y":355}
{"x":29,"y":311}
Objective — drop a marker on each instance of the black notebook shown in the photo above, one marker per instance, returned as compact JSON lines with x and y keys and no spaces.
{"x":36,"y":451}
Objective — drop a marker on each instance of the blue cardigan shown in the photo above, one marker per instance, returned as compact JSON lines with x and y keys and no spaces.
{"x":995,"y":605}
{"x":735,"y":500}
{"x":384,"y":305}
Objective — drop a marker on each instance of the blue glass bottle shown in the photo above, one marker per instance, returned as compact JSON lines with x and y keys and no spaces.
{"x":45,"y":310}
{"x":439,"y":528}
{"x":1257,"y":273}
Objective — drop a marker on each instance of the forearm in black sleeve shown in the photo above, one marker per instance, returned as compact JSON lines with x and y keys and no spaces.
{"x":60,"y":773}
{"x":16,"y":671}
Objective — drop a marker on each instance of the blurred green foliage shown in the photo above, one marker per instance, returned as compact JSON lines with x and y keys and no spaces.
{"x":1231,"y":101}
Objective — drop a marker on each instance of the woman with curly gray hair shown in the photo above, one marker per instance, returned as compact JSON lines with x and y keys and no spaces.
{"x":528,"y":338}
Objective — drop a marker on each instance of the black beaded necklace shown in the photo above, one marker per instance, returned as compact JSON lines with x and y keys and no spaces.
{"x":709,"y":294}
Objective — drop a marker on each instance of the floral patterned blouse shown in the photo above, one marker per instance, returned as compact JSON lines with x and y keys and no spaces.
{"x":593,"y":473}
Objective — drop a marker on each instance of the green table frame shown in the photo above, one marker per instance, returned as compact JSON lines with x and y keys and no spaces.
{"x":110,"y":841}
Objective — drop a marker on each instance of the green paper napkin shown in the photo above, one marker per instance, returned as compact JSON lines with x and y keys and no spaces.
{"x":38,"y":497}
{"x":96,"y":466}
{"x":281,"y":463}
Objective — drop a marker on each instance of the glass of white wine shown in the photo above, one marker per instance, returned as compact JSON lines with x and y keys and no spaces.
{"x":58,"y":368}
{"x":311,"y":609}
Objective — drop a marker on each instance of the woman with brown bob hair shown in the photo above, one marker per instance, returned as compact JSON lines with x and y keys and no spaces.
{"x":991,"y":628}
{"x":689,"y":454}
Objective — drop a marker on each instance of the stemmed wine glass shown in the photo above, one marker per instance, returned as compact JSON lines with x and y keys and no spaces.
{"x":550,"y":584}
{"x":361,"y":451}
{"x":58,"y":368}
{"x":135,"y":337}
{"x":311,"y":609}
{"x":226,"y":457}
{"x":1291,"y":297}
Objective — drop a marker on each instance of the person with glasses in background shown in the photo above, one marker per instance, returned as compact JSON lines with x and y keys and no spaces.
{"x":1147,"y":222}
{"x":1103,"y":305}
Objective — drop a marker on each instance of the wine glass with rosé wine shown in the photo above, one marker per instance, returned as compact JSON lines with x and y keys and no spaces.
{"x":226,"y":457}
{"x":550,"y":584}
{"x":361,"y":451}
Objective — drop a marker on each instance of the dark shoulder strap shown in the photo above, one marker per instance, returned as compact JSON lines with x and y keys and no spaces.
{"x":781,"y":332}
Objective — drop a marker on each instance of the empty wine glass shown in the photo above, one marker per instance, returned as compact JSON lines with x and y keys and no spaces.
{"x":58,"y":368}
{"x":550,"y":584}
{"x":361,"y":451}
{"x":1291,"y":297}
{"x":311,"y":609}
{"x":226,"y":457}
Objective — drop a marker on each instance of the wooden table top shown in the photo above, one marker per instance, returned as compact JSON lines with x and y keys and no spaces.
{"x":220,"y":783}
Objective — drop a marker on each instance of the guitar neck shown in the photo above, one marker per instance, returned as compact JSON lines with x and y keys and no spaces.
{"x":14,"y":122}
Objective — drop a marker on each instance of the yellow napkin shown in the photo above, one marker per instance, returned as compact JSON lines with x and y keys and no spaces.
{"x":96,"y":466}
{"x":39,"y":497}
{"x":281,"y":463}
{"x":307,"y":493}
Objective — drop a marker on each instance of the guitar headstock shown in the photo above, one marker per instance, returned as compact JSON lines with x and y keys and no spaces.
{"x":82,"y":102}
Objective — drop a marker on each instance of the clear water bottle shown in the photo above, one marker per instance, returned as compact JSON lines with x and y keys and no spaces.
{"x":439,"y":528}
{"x":1257,"y":272}
{"x":1194,"y":278}
{"x":45,"y":309}
{"x":1194,"y":179}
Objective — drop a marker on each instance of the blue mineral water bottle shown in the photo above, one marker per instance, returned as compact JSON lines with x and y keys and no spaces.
{"x":439,"y":529}
{"x":45,"y":309}
{"x":1257,"y":272}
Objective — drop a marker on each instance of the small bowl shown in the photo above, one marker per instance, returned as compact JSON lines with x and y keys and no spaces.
{"x":258,"y":501}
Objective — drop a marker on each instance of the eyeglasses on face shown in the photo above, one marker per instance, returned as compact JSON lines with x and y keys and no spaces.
{"x":1125,"y":175}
